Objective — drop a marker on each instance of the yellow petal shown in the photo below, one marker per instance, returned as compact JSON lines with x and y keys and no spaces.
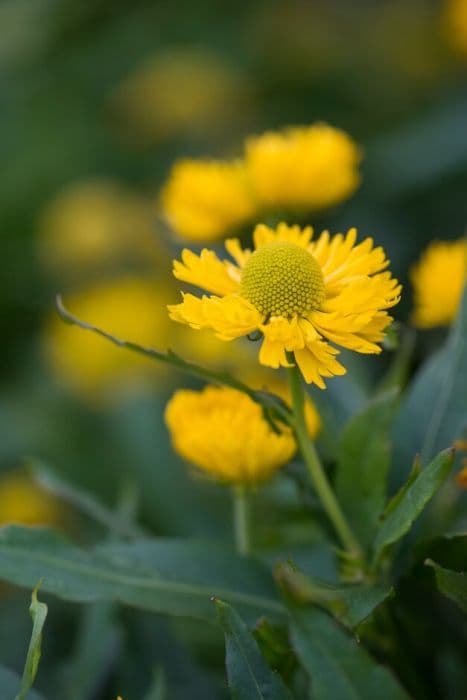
{"x":207,"y":272}
{"x":263,"y":235}
{"x":317,"y":360}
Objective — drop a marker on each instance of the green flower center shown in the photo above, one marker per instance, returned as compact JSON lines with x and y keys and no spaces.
{"x":282,"y":279}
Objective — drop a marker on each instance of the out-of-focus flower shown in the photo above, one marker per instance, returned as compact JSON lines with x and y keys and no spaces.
{"x":298,"y":293}
{"x":92,"y":223}
{"x":310,"y":167}
{"x":461,"y":476}
{"x":130,"y":308}
{"x":455,"y":24}
{"x":204,"y":200}
{"x":205,"y":349}
{"x":23,"y":503}
{"x":223,"y":432}
{"x":438,"y":280}
{"x":180,"y":91}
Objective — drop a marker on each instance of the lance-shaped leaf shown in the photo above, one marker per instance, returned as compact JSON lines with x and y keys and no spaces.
{"x":96,"y":649}
{"x":350,"y":604}
{"x":452,"y":584}
{"x":339,"y":668}
{"x":434,"y":413}
{"x":158,"y":689}
{"x":413,"y":500}
{"x":363,"y":463}
{"x":85,"y":502}
{"x":248,"y":674}
{"x":273,"y":406}
{"x":170,"y":576}
{"x":38,"y":613}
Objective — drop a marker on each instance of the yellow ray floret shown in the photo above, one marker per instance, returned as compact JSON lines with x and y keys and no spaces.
{"x":298,"y":293}
{"x":438,"y":281}
{"x":224,"y":434}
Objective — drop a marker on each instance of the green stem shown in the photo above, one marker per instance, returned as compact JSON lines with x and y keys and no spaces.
{"x":315,"y":468}
{"x":241,"y":519}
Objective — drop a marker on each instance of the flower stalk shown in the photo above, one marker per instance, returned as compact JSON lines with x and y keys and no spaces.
{"x":315,"y":468}
{"x":241,"y":519}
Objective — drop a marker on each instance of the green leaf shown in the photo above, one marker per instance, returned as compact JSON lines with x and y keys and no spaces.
{"x":411,"y":503}
{"x":399,"y":495}
{"x":248,"y":674}
{"x":99,"y":639}
{"x":339,"y":668}
{"x":434,"y":413}
{"x":170,"y":576}
{"x":158,"y":690}
{"x":38,"y":613}
{"x":273,"y":406}
{"x":351,"y":604}
{"x":452,"y":584}
{"x":82,"y":500}
{"x":10,"y":683}
{"x":363,"y":463}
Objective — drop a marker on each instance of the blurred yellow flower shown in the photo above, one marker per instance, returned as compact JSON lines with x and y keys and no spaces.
{"x":204,"y":200}
{"x":182,"y":90}
{"x":438,"y":281}
{"x":223,"y":433}
{"x":130,"y":308}
{"x":298,"y":293}
{"x":205,"y":349}
{"x":310,"y":167}
{"x":93,"y":222}
{"x":23,"y":503}
{"x":455,"y":24}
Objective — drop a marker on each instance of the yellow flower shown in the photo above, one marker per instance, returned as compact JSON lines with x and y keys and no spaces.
{"x":23,"y":503}
{"x":94,"y":222}
{"x":455,"y":24}
{"x":204,"y":200}
{"x":223,"y":433}
{"x":179,"y":91}
{"x":309,"y":167}
{"x":438,"y":280}
{"x":132,"y":309}
{"x":297,"y":292}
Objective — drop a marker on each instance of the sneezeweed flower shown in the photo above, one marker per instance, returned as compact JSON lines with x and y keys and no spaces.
{"x":88,"y":365}
{"x":24,"y":503}
{"x":149,"y":108}
{"x":205,"y":200}
{"x":223,"y":433}
{"x":438,"y":281}
{"x":302,"y":168}
{"x":299,"y":294}
{"x":455,"y":25}
{"x":91,"y":223}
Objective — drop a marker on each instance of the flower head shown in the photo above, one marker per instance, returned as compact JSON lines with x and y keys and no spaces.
{"x":93,"y":223}
{"x":204,"y":200}
{"x":455,"y":24}
{"x":89,"y":365}
{"x":438,"y":280}
{"x":298,"y":293}
{"x":148,"y":109}
{"x":309,"y":167}
{"x":22,"y":502}
{"x":223,"y":433}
